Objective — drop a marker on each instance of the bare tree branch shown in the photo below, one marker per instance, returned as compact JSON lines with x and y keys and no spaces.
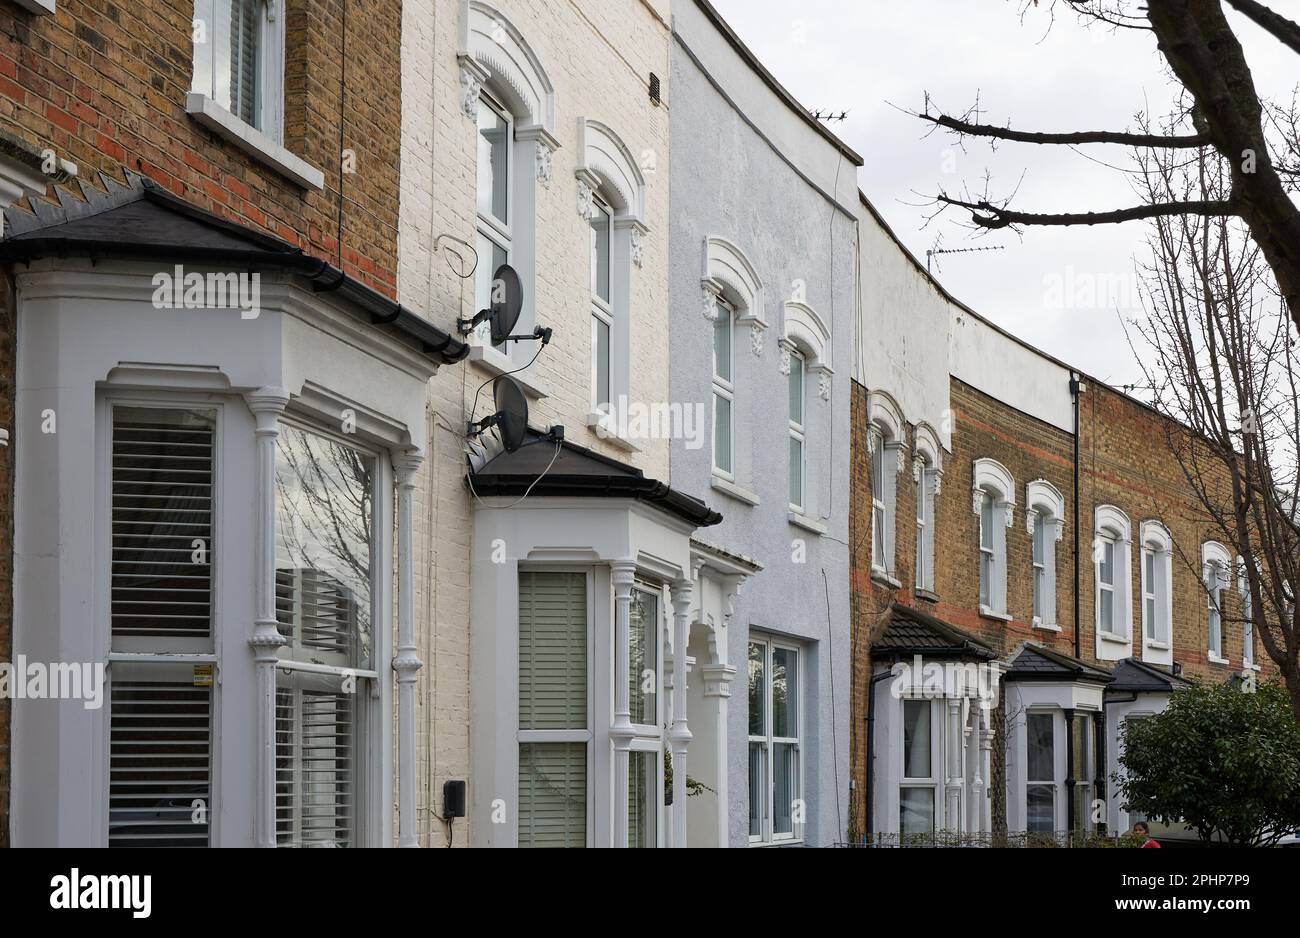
{"x":1287,"y":32}
{"x":1082,"y":136}
{"x":994,"y":216}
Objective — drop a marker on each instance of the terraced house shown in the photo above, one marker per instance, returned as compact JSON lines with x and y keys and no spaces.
{"x":1007,"y":526}
{"x":504,"y":423}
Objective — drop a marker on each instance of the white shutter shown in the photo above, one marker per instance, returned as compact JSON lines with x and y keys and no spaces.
{"x":553,"y":697}
{"x":162,"y":507}
{"x":245,"y":42}
{"x":553,"y":795}
{"x":160,"y":755}
{"x":316,"y":761}
{"x":552,"y":651}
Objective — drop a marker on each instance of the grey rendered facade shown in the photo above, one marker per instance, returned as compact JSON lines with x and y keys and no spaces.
{"x":764,"y":234}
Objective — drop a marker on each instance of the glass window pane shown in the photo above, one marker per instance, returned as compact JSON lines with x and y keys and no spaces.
{"x":1150,"y":613}
{"x":1040,"y":542}
{"x":643,"y":669}
{"x":877,"y":467}
{"x":986,"y":521}
{"x":785,"y":692}
{"x":600,"y":363}
{"x":722,"y":344}
{"x":785,"y":787}
{"x":722,"y":433}
{"x":552,"y":651}
{"x":916,"y":811}
{"x":600,"y":235}
{"x":323,"y":551}
{"x":796,"y":472}
{"x":493,"y":164}
{"x":317,"y":728}
{"x":1108,"y":562}
{"x":1106,"y":605}
{"x":553,"y":795}
{"x":1040,"y":741}
{"x":490,"y":258}
{"x":757,"y":687}
{"x":245,"y":60}
{"x":1040,"y":811}
{"x":916,"y":739}
{"x":796,"y":389}
{"x":757,"y":786}
{"x":644,"y":794}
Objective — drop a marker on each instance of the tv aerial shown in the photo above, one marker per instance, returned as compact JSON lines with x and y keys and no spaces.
{"x":506,"y":300}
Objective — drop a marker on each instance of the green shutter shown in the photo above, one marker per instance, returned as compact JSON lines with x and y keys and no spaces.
{"x":553,"y":696}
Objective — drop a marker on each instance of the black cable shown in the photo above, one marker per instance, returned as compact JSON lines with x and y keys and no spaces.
{"x":505,"y":374}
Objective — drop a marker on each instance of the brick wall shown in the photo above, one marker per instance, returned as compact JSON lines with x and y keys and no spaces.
{"x":1126,"y":461}
{"x":103,"y":84}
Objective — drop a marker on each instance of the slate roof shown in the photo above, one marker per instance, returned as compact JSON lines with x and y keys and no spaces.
{"x":141,"y":221}
{"x":913,"y":632}
{"x":1139,"y":677}
{"x":1036,"y":663}
{"x":582,"y":473}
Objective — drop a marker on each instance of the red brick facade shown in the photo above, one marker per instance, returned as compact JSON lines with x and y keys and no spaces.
{"x":103,"y":84}
{"x":1125,"y":461}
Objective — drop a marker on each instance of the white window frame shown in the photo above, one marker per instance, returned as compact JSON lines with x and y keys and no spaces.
{"x":1045,"y":515}
{"x":208,"y":101}
{"x":372,"y":719}
{"x":1112,"y":526}
{"x":881,"y":529}
{"x":1055,"y":783}
{"x":924,"y":573}
{"x":137,"y":651}
{"x":602,"y":311}
{"x":496,"y":231}
{"x":797,"y":428}
{"x":991,"y":480}
{"x":724,"y":389}
{"x":586,"y":736}
{"x":933,"y":782}
{"x":1247,"y":617}
{"x":1216,"y":568}
{"x":768,"y":740}
{"x":1106,"y":597}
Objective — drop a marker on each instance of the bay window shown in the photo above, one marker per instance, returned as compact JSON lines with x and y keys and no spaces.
{"x":1081,"y":769}
{"x":775,"y":770}
{"x":645,"y":786}
{"x":554,"y":717}
{"x":162,"y":602}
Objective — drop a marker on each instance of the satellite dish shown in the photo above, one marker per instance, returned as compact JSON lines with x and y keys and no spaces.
{"x":511,"y":418}
{"x":507,"y":300}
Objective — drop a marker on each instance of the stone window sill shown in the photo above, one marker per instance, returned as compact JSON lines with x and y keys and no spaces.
{"x":252,"y":141}
{"x":1215,"y":659}
{"x":607,"y":429}
{"x":989,"y":613}
{"x":800,"y":520}
{"x":1046,"y":626}
{"x":882,"y":578}
{"x":927,"y":595}
{"x":732,"y":490}
{"x":1113,"y":639}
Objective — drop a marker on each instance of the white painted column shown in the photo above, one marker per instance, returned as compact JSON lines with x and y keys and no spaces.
{"x":986,"y":760}
{"x":953,"y":820}
{"x":622,"y":576}
{"x":406,"y":662}
{"x":975,"y":819}
{"x":679,"y":736}
{"x":267,"y":404}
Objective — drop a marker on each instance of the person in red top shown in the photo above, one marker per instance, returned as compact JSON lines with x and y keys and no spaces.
{"x":1144,"y":834}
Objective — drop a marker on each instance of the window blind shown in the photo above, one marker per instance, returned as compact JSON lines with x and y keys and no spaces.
{"x":553,"y":696}
{"x":159,"y":759}
{"x":245,"y":39}
{"x":315,"y":763}
{"x":162,"y":533}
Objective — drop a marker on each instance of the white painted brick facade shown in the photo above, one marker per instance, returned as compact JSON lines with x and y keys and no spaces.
{"x":598,"y":55}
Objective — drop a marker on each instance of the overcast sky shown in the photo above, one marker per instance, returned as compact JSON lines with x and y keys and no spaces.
{"x":870,"y":58}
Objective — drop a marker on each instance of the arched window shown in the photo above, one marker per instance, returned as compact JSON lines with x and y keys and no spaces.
{"x":732,"y":299}
{"x":1216,"y":569}
{"x":1045,"y":522}
{"x":886,"y":436}
{"x":1157,"y":592}
{"x":611,"y":196}
{"x":1112,"y":605}
{"x":994,"y":502}
{"x":507,"y":94}
{"x":927,"y":472}
{"x":805,"y":358}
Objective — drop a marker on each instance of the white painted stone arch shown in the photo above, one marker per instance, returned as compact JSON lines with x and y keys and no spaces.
{"x":729,"y":272}
{"x":494,"y":52}
{"x":926,"y":445}
{"x":607,"y":164}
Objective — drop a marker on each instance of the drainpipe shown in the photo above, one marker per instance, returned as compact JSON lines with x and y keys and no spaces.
{"x":1076,"y":393}
{"x":867,"y":829}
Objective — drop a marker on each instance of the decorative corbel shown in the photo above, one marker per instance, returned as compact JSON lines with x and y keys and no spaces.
{"x":472,"y":77}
